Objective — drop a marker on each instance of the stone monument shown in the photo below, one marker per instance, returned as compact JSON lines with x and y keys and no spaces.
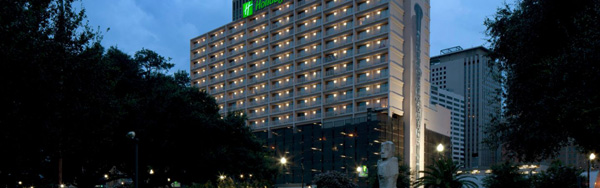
{"x":387,"y":166}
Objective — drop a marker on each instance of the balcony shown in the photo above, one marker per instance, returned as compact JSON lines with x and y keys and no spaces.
{"x":258,"y":66}
{"x":370,"y":4}
{"x":236,"y":29}
{"x":236,"y":73}
{"x":215,"y":59}
{"x":284,"y":34}
{"x":235,"y":52}
{"x":281,"y":97}
{"x":257,"y":55}
{"x":283,"y":108}
{"x":309,"y":38}
{"x":257,"y":32}
{"x":255,"y":80}
{"x":337,"y":56}
{"x":282,"y":60}
{"x":284,"y":71}
{"x":373,"y":32}
{"x":365,"y":64}
{"x":338,"y":15}
{"x":236,"y":62}
{"x":381,"y":105}
{"x":236,"y":40}
{"x":372,"y":47}
{"x":197,"y":75}
{"x":219,"y":99}
{"x":338,"y":112}
{"x":283,"y":46}
{"x":309,"y":25}
{"x":338,"y":98}
{"x":259,"y":125}
{"x":258,"y":113}
{"x":309,"y":12}
{"x":197,"y":55}
{"x":371,"y":92}
{"x":338,"y":85}
{"x":256,"y":103}
{"x":371,"y":77}
{"x":216,"y":90}
{"x":259,"y":90}
{"x":195,"y":45}
{"x":338,"y":43}
{"x":212,"y":81}
{"x":373,"y":17}
{"x":281,"y":22}
{"x":282,"y":121}
{"x":305,"y":2}
{"x":338,"y":71}
{"x":339,"y":28}
{"x":282,"y":84}
{"x":310,"y":91}
{"x":259,"y":19}
{"x":335,"y":3}
{"x":216,"y":69}
{"x":309,"y":77}
{"x":236,"y":108}
{"x":309,"y":117}
{"x":197,"y":65}
{"x":308,"y":64}
{"x":256,"y":44}
{"x":283,"y":9}
{"x":217,"y":36}
{"x":309,"y":103}
{"x":311,"y":51}
{"x":236,"y":85}
{"x":236,"y":96}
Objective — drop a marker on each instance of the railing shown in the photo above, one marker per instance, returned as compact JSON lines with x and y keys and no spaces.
{"x":259,"y":125}
{"x":254,"y":80}
{"x":237,"y":96}
{"x":348,"y":82}
{"x":236,"y":108}
{"x":216,"y":90}
{"x":256,"y":103}
{"x":374,"y":106}
{"x":283,"y":10}
{"x":309,"y":26}
{"x":235,"y":52}
{"x":282,"y":121}
{"x":261,"y":55}
{"x":258,"y":113}
{"x":239,"y":84}
{"x":255,"y":33}
{"x":282,"y":60}
{"x":364,"y":64}
{"x":308,"y":65}
{"x":237,"y":40}
{"x":282,"y":85}
{"x":339,"y":43}
{"x":219,"y":99}
{"x":304,"y":2}
{"x":338,"y":15}
{"x":259,"y":42}
{"x":197,"y":55}
{"x":339,"y":28}
{"x":373,"y":32}
{"x":372,"y":91}
{"x":371,"y":77}
{"x":258,"y":19}
{"x":212,"y":81}
{"x":309,"y":91}
{"x":282,"y":97}
{"x":371,"y":3}
{"x":197,"y":65}
{"x":284,"y":34}
{"x":196,"y":45}
{"x":283,"y":47}
{"x":310,"y":103}
{"x":371,"y":18}
{"x":236,"y":62}
{"x":282,"y":109}
{"x":310,"y":38}
{"x":283,"y":72}
{"x":217,"y":37}
{"x":308,"y":78}
{"x":339,"y":112}
{"x":217,"y":59}
{"x":373,"y":47}
{"x":339,"y":71}
{"x":238,"y":73}
{"x":310,"y":12}
{"x":213,"y":70}
{"x":282,"y":22}
{"x":259,"y":66}
{"x":308,"y":117}
{"x":237,"y":28}
{"x":332,"y":57}
{"x":338,"y":98}
{"x":312,"y":51}
{"x":260,"y":90}
{"x":335,"y":3}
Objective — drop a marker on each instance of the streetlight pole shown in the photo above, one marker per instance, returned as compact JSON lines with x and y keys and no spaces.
{"x":131,"y":135}
{"x":592,"y":157}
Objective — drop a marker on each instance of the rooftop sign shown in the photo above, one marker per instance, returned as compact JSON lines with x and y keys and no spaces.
{"x":249,"y":7}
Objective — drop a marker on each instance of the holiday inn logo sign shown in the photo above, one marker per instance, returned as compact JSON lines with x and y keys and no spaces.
{"x":249,"y":7}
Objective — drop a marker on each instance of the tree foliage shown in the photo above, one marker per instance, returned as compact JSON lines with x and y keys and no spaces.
{"x":558,"y":175}
{"x":443,"y":173}
{"x":69,"y":103}
{"x":548,"y":51}
{"x":333,"y":179}
{"x":506,"y":175}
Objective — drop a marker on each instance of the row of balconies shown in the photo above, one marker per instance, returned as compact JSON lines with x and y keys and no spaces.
{"x":304,"y":13}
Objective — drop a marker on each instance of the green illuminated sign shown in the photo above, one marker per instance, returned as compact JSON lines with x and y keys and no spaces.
{"x":247,"y":9}
{"x":363,"y":171}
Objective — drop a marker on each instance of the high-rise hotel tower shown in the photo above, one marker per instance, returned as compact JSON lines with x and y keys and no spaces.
{"x":292,"y":63}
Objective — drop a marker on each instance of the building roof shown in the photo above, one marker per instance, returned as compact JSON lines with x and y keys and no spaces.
{"x":461,"y":51}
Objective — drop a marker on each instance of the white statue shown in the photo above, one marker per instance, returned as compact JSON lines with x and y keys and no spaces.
{"x":387,"y":166}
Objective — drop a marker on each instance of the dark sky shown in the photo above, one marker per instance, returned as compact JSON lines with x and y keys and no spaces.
{"x":166,"y":26}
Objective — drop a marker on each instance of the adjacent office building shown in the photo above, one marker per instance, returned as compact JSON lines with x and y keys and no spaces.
{"x":456,"y":104}
{"x":468,"y":73}
{"x":316,"y":70}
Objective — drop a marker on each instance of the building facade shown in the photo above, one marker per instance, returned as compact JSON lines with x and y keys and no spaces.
{"x":456,"y":104}
{"x":468,"y":73}
{"x":288,"y":64}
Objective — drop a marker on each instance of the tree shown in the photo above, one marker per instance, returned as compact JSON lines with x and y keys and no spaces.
{"x":443,"y":173}
{"x":506,"y":175}
{"x":548,"y":51}
{"x":558,"y":175}
{"x":333,"y":179}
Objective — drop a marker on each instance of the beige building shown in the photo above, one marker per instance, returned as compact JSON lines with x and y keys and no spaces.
{"x":321,"y":62}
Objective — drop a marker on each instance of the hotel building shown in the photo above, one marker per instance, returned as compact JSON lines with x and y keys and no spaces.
{"x":298,"y":65}
{"x":468,"y":73}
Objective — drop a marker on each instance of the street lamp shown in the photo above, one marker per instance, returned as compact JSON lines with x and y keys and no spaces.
{"x":131,"y":135}
{"x":283,"y":160}
{"x":592,"y":157}
{"x":440,"y":148}
{"x":222,"y":177}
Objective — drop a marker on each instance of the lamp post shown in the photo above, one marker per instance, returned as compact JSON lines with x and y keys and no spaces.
{"x":440,"y":149}
{"x":131,"y":135}
{"x":592,"y":157}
